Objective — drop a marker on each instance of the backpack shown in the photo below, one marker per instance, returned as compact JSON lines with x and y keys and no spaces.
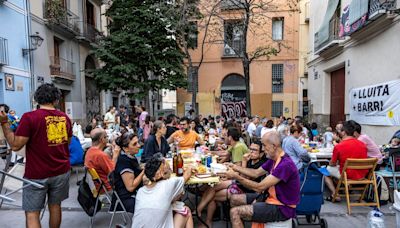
{"x":383,"y":191}
{"x":90,"y":204}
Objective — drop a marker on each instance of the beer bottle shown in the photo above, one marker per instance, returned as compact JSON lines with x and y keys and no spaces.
{"x":175,"y":164}
{"x":180,"y":165}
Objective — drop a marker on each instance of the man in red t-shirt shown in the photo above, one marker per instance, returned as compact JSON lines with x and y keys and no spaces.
{"x":349,"y":147}
{"x":97,"y":159}
{"x":46,"y":133}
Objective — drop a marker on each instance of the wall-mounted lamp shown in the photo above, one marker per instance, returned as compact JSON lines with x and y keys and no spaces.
{"x":36,"y":41}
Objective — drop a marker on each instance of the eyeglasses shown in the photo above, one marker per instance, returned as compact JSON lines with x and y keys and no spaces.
{"x":254,"y":149}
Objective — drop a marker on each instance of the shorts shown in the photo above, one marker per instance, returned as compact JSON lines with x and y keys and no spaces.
{"x":263,"y":212}
{"x":55,"y":188}
{"x":333,"y":171}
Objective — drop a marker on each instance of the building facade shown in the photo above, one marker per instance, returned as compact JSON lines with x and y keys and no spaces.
{"x":15,"y":80}
{"x":354,"y":43}
{"x":220,"y":78}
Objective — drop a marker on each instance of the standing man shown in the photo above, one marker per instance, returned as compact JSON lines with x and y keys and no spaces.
{"x":251,"y":129}
{"x":46,"y":133}
{"x":123,"y":116}
{"x":109,"y":118}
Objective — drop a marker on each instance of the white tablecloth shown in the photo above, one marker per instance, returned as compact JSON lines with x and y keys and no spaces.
{"x":325,"y":153}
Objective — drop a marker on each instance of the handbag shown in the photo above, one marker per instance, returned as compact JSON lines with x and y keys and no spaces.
{"x":90,"y":204}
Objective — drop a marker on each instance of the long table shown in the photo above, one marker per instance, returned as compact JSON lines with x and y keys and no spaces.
{"x":324,"y":153}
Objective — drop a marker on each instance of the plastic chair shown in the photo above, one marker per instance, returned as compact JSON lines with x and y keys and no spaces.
{"x":118,"y":201}
{"x":358,"y":164}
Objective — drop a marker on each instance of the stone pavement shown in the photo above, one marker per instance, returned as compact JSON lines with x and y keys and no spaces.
{"x":73,"y":215}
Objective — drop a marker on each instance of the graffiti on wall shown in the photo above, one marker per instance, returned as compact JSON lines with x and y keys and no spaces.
{"x":233,"y":104}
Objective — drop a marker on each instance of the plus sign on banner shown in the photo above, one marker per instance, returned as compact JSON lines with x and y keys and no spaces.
{"x":376,"y":104}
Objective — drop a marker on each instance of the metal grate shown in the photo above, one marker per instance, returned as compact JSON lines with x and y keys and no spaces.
{"x":193,"y":79}
{"x":277,"y":78}
{"x":277,"y":108}
{"x":3,"y":51}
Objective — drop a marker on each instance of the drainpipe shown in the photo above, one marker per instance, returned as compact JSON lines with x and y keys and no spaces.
{"x":32,"y":87}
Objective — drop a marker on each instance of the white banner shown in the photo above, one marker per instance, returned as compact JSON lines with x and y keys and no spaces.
{"x":376,"y":104}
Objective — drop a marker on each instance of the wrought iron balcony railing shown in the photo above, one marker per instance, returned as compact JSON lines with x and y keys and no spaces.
{"x":62,"y":68}
{"x":375,"y":6}
{"x":89,"y":32}
{"x":57,"y":14}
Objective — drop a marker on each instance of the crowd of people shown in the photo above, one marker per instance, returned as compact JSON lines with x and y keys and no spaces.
{"x":264,"y":157}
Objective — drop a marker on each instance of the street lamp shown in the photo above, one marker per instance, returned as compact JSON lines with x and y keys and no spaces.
{"x":36,"y":41}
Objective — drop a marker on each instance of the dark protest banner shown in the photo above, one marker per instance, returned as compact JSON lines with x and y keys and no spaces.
{"x":376,"y":104}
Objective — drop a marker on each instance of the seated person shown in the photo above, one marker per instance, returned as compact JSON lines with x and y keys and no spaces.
{"x":237,"y":148}
{"x":395,"y":142}
{"x":128,"y":174}
{"x":373,"y":150}
{"x":185,"y":137}
{"x":292,"y":147}
{"x":156,"y":143}
{"x":97,"y":159}
{"x":282,"y":183}
{"x":154,"y":201}
{"x":219,"y":192}
{"x":349,"y":147}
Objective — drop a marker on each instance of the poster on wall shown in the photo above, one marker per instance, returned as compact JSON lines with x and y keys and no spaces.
{"x":376,"y":104}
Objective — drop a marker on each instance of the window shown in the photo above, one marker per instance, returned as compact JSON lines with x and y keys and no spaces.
{"x":277,"y":28}
{"x":192,"y":35}
{"x":305,"y":93}
{"x":193,"y":79}
{"x":233,"y":38}
{"x":232,"y":4}
{"x":277,"y":108}
{"x":277,"y":78}
{"x":3,"y":51}
{"x":90,"y":15}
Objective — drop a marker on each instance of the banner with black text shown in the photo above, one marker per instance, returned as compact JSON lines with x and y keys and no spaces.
{"x":376,"y":104}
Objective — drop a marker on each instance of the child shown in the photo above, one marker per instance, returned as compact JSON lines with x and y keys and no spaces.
{"x":13,"y":119}
{"x":328,"y":137}
{"x":395,"y":142}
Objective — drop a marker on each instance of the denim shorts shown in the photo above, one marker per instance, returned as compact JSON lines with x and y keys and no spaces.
{"x":55,"y":188}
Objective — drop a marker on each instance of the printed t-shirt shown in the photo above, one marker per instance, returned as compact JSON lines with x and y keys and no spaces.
{"x":237,"y":151}
{"x":101,"y":162}
{"x":47,"y":153}
{"x":288,"y":188}
{"x":350,"y":148}
{"x":188,"y":140}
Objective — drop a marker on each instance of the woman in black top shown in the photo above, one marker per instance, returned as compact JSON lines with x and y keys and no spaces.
{"x":156,"y":143}
{"x":127,"y":174}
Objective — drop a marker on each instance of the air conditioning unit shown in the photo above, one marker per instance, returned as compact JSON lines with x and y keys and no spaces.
{"x":228,"y":50}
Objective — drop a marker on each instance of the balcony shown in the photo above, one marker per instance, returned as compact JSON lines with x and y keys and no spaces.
{"x":3,"y":51}
{"x":332,"y":45}
{"x":62,"y":70}
{"x":60,"y":19}
{"x":232,"y":4}
{"x":89,"y":33}
{"x":379,"y":19}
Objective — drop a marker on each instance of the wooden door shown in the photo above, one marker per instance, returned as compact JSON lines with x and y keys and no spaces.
{"x":337,"y":97}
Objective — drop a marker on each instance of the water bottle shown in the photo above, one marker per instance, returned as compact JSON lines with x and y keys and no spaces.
{"x":376,"y":219}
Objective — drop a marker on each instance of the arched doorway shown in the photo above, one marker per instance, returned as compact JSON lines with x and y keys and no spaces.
{"x":233,"y":96}
{"x":92,"y":93}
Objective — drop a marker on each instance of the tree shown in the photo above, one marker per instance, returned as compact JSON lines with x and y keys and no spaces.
{"x":249,"y":17}
{"x":141,"y":54}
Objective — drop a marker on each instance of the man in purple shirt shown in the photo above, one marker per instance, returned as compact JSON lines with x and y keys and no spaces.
{"x":282,"y":184}
{"x":373,"y":150}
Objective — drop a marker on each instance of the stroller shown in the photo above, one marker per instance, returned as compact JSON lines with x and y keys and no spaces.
{"x":312,"y":192}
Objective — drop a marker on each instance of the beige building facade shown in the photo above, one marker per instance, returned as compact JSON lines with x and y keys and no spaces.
{"x":273,"y":80}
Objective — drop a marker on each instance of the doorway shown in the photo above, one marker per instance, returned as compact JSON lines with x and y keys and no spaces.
{"x":233,"y":96}
{"x":337,"y":97}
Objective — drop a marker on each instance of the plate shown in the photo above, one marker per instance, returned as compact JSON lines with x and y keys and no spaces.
{"x":206,"y":175}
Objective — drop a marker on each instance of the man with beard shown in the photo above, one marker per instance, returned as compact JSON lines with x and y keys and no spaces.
{"x":185,"y":137}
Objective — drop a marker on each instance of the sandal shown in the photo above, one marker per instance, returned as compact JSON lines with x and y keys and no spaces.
{"x":330,"y":198}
